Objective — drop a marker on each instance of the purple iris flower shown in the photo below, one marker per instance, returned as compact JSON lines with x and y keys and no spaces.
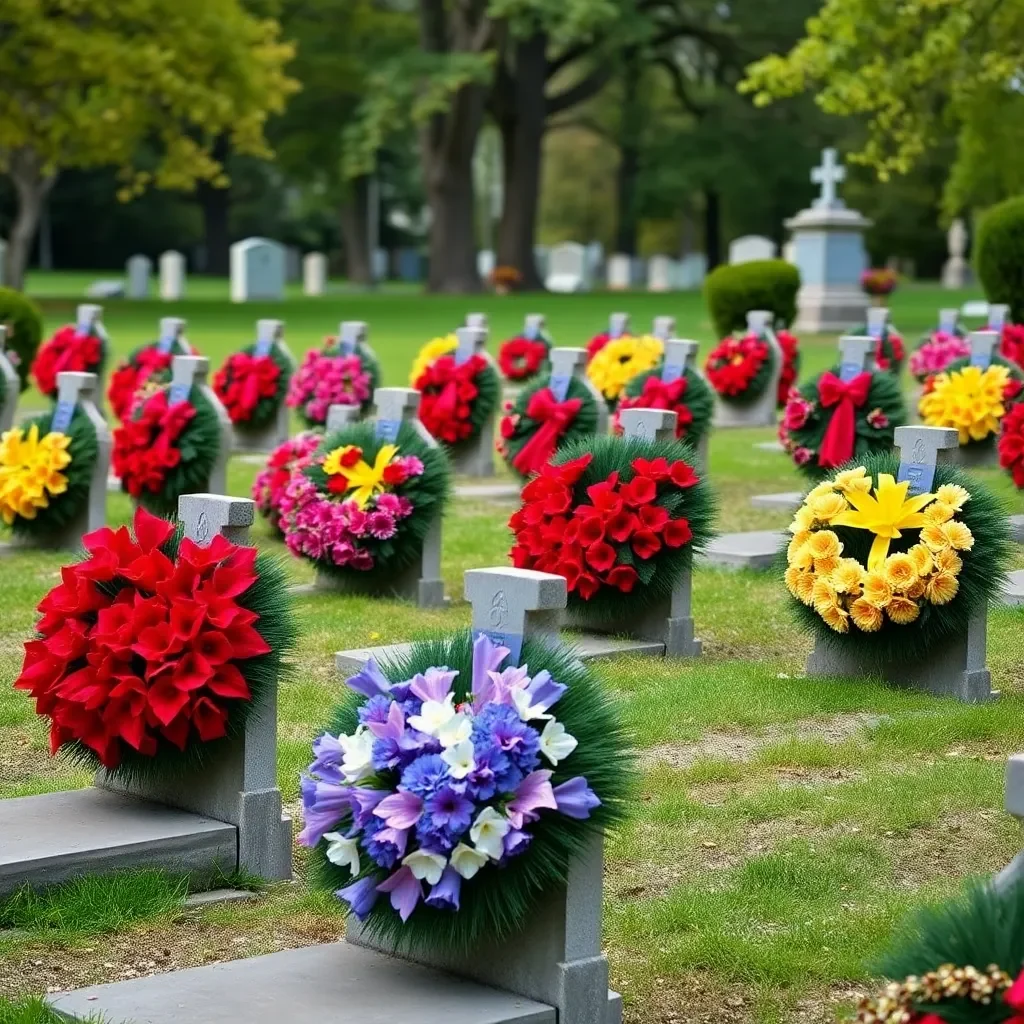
{"x":425,"y":775}
{"x":400,"y":810}
{"x":375,"y":709}
{"x":363,"y":803}
{"x":501,"y":725}
{"x":450,"y":809}
{"x":324,"y":805}
{"x":534,"y":794}
{"x":544,"y":691}
{"x":327,"y":754}
{"x":445,"y":895}
{"x":516,"y":841}
{"x":575,"y":798}
{"x":434,"y":684}
{"x":405,"y":891}
{"x":369,"y":681}
{"x":487,"y":656}
{"x":360,"y":896}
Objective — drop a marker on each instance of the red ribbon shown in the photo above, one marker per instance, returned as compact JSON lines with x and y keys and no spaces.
{"x":659,"y":395}
{"x":554,"y":418}
{"x":838,"y":444}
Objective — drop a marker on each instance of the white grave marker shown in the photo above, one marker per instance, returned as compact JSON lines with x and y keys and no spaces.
{"x":761,"y":411}
{"x":11,"y":385}
{"x":172,"y":276}
{"x":314,"y":274}
{"x":192,"y":371}
{"x":257,"y":270}
{"x":661,"y":273}
{"x":269,"y":335}
{"x":138,"y":269}
{"x":619,"y":272}
{"x":749,"y":248}
{"x":567,"y":268}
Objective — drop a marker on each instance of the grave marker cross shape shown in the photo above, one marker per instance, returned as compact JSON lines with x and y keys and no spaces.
{"x":565,"y":364}
{"x":680,"y":356}
{"x":171,"y":328}
{"x":983,"y":347}
{"x":828,"y":175}
{"x":921,"y":449}
{"x":350,"y":334}
{"x":856,"y":356}
{"x":649,"y":424}
{"x":395,"y":406}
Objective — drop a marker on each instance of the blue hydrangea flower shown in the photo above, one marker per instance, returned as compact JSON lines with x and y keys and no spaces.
{"x":425,"y":776}
{"x":384,"y":854}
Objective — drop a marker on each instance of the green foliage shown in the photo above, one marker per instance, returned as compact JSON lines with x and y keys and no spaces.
{"x":698,"y":397}
{"x":999,"y":255}
{"x":24,"y":323}
{"x":34,"y":1011}
{"x":62,"y":510}
{"x":731,"y":291}
{"x":497,"y":904}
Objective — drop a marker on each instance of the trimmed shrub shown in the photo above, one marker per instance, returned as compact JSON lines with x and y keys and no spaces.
{"x":731,"y":291}
{"x":24,"y":324}
{"x":999,"y":255}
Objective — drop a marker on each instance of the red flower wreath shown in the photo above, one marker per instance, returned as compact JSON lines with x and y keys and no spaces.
{"x":244,"y":381}
{"x":146,"y":448}
{"x":1012,"y":345}
{"x":129,"y":377}
{"x":732,"y":365}
{"x":659,"y":395}
{"x":1011,"y":444}
{"x":449,"y":390}
{"x":67,"y":350}
{"x":584,"y":543}
{"x":520,"y":358}
{"x":889,"y":350}
{"x":136,"y":649}
{"x":790,"y":364}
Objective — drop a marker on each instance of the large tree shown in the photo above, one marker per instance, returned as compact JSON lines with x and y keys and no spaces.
{"x":92,"y":83}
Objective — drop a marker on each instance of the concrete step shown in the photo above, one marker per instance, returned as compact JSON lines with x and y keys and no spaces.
{"x":58,"y":836}
{"x":757,"y":549}
{"x":785,"y":501}
{"x":338,"y":982}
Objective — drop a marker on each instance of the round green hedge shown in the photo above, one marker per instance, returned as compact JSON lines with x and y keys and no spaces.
{"x":732,"y":291}
{"x":24,"y":325}
{"x":999,"y":255}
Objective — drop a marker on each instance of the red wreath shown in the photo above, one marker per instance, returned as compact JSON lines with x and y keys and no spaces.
{"x":894,"y":343}
{"x":244,"y":381}
{"x":146,"y":448}
{"x":1012,"y":345}
{"x":733,"y":364}
{"x":137,"y":648}
{"x":449,"y":390}
{"x":520,"y":358}
{"x":790,"y":364}
{"x":1011,"y":444}
{"x":583,"y":543}
{"x":659,"y":395}
{"x":67,"y":350}
{"x":129,"y":377}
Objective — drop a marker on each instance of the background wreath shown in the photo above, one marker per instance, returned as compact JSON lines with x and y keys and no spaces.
{"x":481,"y":408}
{"x":47,"y":363}
{"x":890,"y":349}
{"x":267,"y":407}
{"x":145,"y":363}
{"x":305,"y":382}
{"x":757,"y":383}
{"x":698,"y":399}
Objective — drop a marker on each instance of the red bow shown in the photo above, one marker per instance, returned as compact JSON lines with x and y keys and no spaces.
{"x":659,"y":395}
{"x":554,"y":418}
{"x":837,"y":446}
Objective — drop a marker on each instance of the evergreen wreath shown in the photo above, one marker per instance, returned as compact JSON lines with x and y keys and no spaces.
{"x":252,"y":387}
{"x":523,"y":359}
{"x":862,"y":416}
{"x":537,"y":424}
{"x":739,"y":369}
{"x":361,"y":507}
{"x":890,"y":350}
{"x":457,"y":399}
{"x":555,"y":816}
{"x":894,"y":599}
{"x":936,"y":351}
{"x":164,"y":451}
{"x":64,"y":473}
{"x":153,"y":650}
{"x":327,"y":376}
{"x":271,"y":483}
{"x":692,"y":401}
{"x":147,"y":363}
{"x":614,"y":516}
{"x":69,"y":349}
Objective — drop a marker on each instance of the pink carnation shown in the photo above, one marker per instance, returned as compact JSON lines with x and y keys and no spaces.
{"x":937,"y":353}
{"x":801,"y":456}
{"x":325,"y":379}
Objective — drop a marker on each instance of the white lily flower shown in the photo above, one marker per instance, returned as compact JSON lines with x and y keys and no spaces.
{"x":555,"y":743}
{"x":343,"y":852}
{"x":434,"y":715}
{"x":357,"y":763}
{"x":427,"y":867}
{"x":489,"y":831}
{"x":456,"y":730}
{"x":461,"y":759}
{"x":467,"y":861}
{"x":527,"y":712}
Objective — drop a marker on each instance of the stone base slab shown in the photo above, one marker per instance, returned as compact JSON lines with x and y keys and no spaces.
{"x":1014,"y":592}
{"x":757,"y":549}
{"x":824,"y":309}
{"x":785,"y":501}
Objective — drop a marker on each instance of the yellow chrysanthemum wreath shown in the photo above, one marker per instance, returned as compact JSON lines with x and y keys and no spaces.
{"x":970,"y":400}
{"x":30,"y":471}
{"x":430,"y":352}
{"x":894,"y":586}
{"x":620,"y":361}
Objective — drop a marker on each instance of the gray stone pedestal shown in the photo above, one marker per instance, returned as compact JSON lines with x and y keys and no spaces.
{"x":761,"y":411}
{"x":1017,"y":528}
{"x":1013,"y":873}
{"x":269,"y":335}
{"x":1013,"y":592}
{"x":756,"y":549}
{"x":784,"y":501}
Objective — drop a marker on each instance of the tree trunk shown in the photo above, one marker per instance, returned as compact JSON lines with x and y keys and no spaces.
{"x":216,"y":206}
{"x":628,"y":178}
{"x":32,"y":186}
{"x":521,"y":121}
{"x":712,"y":228}
{"x":354,"y":218}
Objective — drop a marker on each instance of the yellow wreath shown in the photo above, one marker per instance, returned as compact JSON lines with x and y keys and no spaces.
{"x":969,"y":400}
{"x":621,"y":360}
{"x":432,"y":351}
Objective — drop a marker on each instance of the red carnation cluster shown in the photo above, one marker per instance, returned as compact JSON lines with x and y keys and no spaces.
{"x":449,"y":390}
{"x":136,"y":648}
{"x":659,"y":395}
{"x":790,"y":364}
{"x":130,"y":376}
{"x":67,"y":350}
{"x":1012,"y":345}
{"x":244,"y":381}
{"x":733,"y":364}
{"x":146,"y":447}
{"x":596,"y":543}
{"x":889,"y":351}
{"x":1011,"y":444}
{"x":521,"y":358}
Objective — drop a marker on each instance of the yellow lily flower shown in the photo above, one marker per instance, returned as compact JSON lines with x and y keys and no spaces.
{"x":885,"y":513}
{"x":366,"y":480}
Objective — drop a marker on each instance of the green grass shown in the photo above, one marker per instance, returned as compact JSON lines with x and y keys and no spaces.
{"x":33,"y":1011}
{"x":784,"y":826}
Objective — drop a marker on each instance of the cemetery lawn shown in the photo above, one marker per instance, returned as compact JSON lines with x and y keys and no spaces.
{"x":782,"y":827}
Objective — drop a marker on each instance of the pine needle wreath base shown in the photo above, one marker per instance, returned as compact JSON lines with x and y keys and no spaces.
{"x":981,"y":578}
{"x":267,"y":408}
{"x":52,"y":521}
{"x":582,"y":426}
{"x":497,"y":904}
{"x":429,"y":494}
{"x":699,"y":398}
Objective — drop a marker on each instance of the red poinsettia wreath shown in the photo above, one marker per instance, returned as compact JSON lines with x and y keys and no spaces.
{"x":145,"y":448}
{"x":69,"y":349}
{"x":244,"y":382}
{"x":457,"y":398}
{"x":151,"y":647}
{"x":1011,"y":444}
{"x":739,"y":367}
{"x":521,"y":358}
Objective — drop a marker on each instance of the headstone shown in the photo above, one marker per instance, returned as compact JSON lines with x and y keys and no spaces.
{"x":172,"y":276}
{"x":661,"y":272}
{"x":756,"y":549}
{"x":314,"y":274}
{"x":478,"y":321}
{"x":534,"y":326}
{"x":954,"y":271}
{"x":975,"y":307}
{"x":949,"y":320}
{"x":856,"y":356}
{"x":485,"y":264}
{"x":567,"y":268}
{"x":618,"y":272}
{"x":594,"y":263}
{"x":749,"y":248}
{"x":878,"y":320}
{"x":691,"y":271}
{"x":380,"y":264}
{"x":292,"y":264}
{"x":192,"y":371}
{"x":138,"y":269}
{"x":618,"y":325}
{"x":341,"y":416}
{"x":984,"y":345}
{"x":410,"y":265}
{"x":257,"y":270}
{"x":1012,"y":875}
{"x":541,"y":257}
{"x":761,"y":412}
{"x":567,"y":363}
{"x":11,"y":385}
{"x":475,"y":457}
{"x":269,"y":334}
{"x":105,"y":290}
{"x":1017,"y":528}
{"x":998,"y":316}
{"x":664,"y":327}
{"x":828,"y":250}
{"x":955,"y":668}
{"x":1013,"y":592}
{"x":637,"y":272}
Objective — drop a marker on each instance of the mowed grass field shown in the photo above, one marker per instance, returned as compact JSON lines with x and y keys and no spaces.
{"x":783,"y":826}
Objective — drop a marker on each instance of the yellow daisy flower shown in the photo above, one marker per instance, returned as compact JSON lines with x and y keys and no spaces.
{"x":900,"y":572}
{"x":824,"y":594}
{"x":827,"y":506}
{"x":802,"y":521}
{"x":825,"y":544}
{"x":848,"y":576}
{"x":798,"y":554}
{"x":949,"y":561}
{"x":959,"y":535}
{"x":938,"y":512}
{"x":866,"y":617}
{"x":836,"y":618}
{"x":805,"y":588}
{"x":934,"y":538}
{"x":922,"y":559}
{"x":953,"y":494}
{"x":792,"y":578}
{"x":826,"y":566}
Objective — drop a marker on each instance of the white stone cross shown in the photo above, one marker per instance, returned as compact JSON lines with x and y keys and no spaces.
{"x":856,"y":356}
{"x":649,"y":424}
{"x":680,"y":356}
{"x":828,"y":175}
{"x":921,"y":450}
{"x":566,"y":363}
{"x":618,"y":325}
{"x":187,"y":372}
{"x":984,"y":345}
{"x":267,"y":332}
{"x":396,"y":406}
{"x":759,"y":321}
{"x":203,"y":516}
{"x":87,"y":316}
{"x":478,"y":320}
{"x":171,"y":329}
{"x":72,"y":389}
{"x":350,"y":334}
{"x":878,"y":318}
{"x":510,"y":605}
{"x":997,"y":314}
{"x":471,"y":342}
{"x":12,"y":386}
{"x":948,"y":319}
{"x":533,"y":327}
{"x":664,"y":327}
